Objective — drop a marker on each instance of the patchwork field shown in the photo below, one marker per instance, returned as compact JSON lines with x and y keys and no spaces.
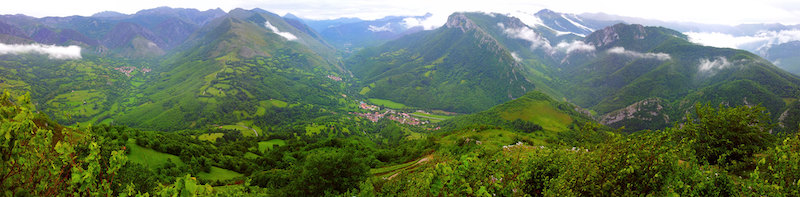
{"x":149,"y":157}
{"x":211,"y":137}
{"x":541,"y":113}
{"x":387,"y":103}
{"x":218,"y":174}
{"x":79,"y":103}
{"x":263,"y":146}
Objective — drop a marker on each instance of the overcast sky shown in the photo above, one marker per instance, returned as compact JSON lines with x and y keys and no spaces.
{"x":728,"y":12}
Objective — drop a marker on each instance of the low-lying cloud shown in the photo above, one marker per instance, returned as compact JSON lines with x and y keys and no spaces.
{"x":760,"y":41}
{"x":526,"y":33}
{"x":634,"y":54}
{"x":287,"y":35}
{"x":713,"y":64}
{"x":385,"y":27}
{"x":574,"y":46}
{"x":52,"y":51}
{"x":516,"y":57}
{"x":427,"y":23}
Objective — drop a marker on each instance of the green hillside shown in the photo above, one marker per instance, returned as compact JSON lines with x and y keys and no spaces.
{"x":643,"y":63}
{"x":459,"y":67}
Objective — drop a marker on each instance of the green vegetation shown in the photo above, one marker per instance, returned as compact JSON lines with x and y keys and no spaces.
{"x":268,"y":145}
{"x":387,"y":103}
{"x":211,"y":137}
{"x":218,"y":174}
{"x":149,"y":157}
{"x":249,"y":113}
{"x":442,"y":69}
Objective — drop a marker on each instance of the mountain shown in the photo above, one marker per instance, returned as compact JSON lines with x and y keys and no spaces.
{"x":785,"y":56}
{"x":627,"y":75}
{"x":465,"y":66}
{"x":168,"y":69}
{"x":147,"y":34}
{"x":646,"y":77}
{"x":245,"y":66}
{"x":571,"y":23}
{"x":349,"y":34}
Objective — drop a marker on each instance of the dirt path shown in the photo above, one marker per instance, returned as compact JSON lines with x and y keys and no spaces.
{"x":254,"y":131}
{"x":423,"y":160}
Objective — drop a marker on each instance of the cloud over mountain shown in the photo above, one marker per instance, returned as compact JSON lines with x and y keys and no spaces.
{"x":759,"y":41}
{"x":52,"y":51}
{"x":287,"y":35}
{"x":526,"y":33}
{"x":634,"y":54}
{"x":573,"y":46}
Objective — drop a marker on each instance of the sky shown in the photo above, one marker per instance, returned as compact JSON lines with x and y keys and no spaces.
{"x":727,"y":12}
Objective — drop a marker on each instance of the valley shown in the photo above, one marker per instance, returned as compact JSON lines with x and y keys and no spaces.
{"x":178,"y":101}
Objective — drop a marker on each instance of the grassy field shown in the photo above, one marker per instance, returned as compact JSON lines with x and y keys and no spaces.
{"x":211,"y":137}
{"x":432,"y":117}
{"x":249,"y":155}
{"x":217,"y":173}
{"x":387,"y":103}
{"x":278,"y":103}
{"x":314,"y":130}
{"x":149,"y":157}
{"x":541,"y":113}
{"x":81,"y":102}
{"x":789,"y":100}
{"x":263,"y":146}
{"x":245,"y":131}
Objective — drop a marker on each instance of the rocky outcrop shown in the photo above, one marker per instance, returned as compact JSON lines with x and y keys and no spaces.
{"x":460,"y":21}
{"x":611,"y":34}
{"x":646,"y":110}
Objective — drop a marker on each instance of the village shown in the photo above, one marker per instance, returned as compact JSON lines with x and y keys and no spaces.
{"x":375,"y":115}
{"x":128,"y":69}
{"x":401,"y":117}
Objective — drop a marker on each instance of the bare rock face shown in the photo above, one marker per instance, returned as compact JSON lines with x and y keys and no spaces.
{"x":646,"y":110}
{"x":612,"y":34}
{"x":461,"y":21}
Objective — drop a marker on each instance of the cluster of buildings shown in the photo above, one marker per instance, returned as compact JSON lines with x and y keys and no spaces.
{"x":402,"y":118}
{"x":128,"y":69}
{"x":335,"y":78}
{"x":366,"y":106}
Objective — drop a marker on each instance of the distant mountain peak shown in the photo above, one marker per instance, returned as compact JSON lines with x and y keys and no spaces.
{"x":461,"y":21}
{"x":108,"y":14}
{"x":611,"y":34}
{"x":292,"y":16}
{"x":545,"y":11}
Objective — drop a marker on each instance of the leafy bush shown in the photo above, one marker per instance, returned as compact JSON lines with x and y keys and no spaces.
{"x":727,"y":134}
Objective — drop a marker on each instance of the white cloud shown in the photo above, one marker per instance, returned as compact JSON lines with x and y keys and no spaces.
{"x":516,"y":57}
{"x":634,"y":54}
{"x":385,"y":27}
{"x":728,"y":12}
{"x":527,"y":18}
{"x":759,"y":41}
{"x":52,"y":51}
{"x":573,"y":46}
{"x":713,"y":65}
{"x":431,"y":22}
{"x":287,"y":35}
{"x":527,"y":34}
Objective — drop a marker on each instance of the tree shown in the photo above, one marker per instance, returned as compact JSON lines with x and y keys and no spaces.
{"x":41,"y":158}
{"x":727,"y":134}
{"x":330,"y":170}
